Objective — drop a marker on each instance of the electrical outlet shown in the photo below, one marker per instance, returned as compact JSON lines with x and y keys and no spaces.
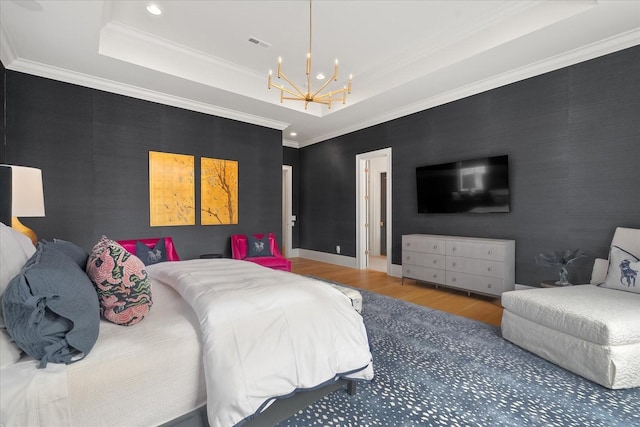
{"x":338,"y":249}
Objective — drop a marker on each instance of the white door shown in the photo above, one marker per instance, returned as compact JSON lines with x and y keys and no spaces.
{"x":288,"y":220}
{"x":363,"y":209}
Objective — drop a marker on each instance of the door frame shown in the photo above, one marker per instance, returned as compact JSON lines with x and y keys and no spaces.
{"x":287,"y":210}
{"x":361,"y":206}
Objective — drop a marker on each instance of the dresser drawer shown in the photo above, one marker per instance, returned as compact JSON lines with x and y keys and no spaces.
{"x":425,"y":274}
{"x":423,"y":259}
{"x":480,"y":267}
{"x":472,"y":283}
{"x":475,"y":250}
{"x":423,"y":244}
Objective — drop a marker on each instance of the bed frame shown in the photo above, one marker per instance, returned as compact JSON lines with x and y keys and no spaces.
{"x":279,"y":411}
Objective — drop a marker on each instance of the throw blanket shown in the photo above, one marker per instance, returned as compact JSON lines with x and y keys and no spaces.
{"x":266,"y":333}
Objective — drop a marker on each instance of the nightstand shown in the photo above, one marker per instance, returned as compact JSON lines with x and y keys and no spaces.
{"x":210,"y":256}
{"x":551,"y":284}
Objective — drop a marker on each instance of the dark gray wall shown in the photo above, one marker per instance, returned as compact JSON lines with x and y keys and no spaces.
{"x":573,"y":140}
{"x":93,"y":147}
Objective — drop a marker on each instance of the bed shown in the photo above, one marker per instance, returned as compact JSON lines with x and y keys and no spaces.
{"x":229,"y":336}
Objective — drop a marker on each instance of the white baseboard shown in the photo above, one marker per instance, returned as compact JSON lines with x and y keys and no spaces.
{"x":344,"y":261}
{"x":295,"y":253}
{"x":341,"y":260}
{"x":396,"y":270}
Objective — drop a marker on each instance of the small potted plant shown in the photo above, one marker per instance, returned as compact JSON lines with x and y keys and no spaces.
{"x":560,"y":259}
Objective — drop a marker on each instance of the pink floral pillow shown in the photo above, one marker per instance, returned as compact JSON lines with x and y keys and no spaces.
{"x":124,"y":289}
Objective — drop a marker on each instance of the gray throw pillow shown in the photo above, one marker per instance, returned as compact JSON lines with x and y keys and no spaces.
{"x":151,"y":256}
{"x":258,"y":247}
{"x":72,"y":250}
{"x":51,"y":308}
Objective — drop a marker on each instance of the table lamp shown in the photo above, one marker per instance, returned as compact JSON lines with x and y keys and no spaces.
{"x":27,"y":197}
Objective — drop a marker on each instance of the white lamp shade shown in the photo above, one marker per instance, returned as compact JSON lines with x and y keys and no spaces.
{"x":27,"y":195}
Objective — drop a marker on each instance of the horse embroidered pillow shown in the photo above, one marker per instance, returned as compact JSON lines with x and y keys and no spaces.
{"x":258,"y":247}
{"x":623,"y":271}
{"x":153,"y":255}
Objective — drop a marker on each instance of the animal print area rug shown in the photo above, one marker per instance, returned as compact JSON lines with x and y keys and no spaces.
{"x":437,"y":369}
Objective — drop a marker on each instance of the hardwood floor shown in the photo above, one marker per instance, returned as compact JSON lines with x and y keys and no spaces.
{"x":484,"y":309}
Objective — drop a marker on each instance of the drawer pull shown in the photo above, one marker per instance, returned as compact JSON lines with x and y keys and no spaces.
{"x":453,"y":264}
{"x":435,"y":261}
{"x":408,"y":243}
{"x":408,"y":270}
{"x":490,"y":251}
{"x":435,"y":276}
{"x":488,"y":268}
{"x":453,"y":249}
{"x":435,"y":246}
{"x":453,"y":280}
{"x":489,"y":286}
{"x":409,"y":259}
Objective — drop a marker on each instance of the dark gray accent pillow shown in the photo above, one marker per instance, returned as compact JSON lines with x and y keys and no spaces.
{"x":258,"y":247}
{"x":151,"y":256}
{"x":51,"y":308}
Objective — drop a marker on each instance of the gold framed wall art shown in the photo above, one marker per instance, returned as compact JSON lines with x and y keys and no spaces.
{"x":219,"y":191}
{"x":171,"y":189}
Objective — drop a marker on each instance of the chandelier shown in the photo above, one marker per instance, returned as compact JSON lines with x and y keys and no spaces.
{"x":309,"y":95}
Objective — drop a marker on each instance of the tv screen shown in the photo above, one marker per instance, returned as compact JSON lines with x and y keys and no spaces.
{"x":473,"y":186}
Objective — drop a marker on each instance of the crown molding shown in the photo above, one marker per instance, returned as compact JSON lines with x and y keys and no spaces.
{"x":595,"y":50}
{"x":7,"y":53}
{"x":290,"y":144}
{"x":607,"y":46}
{"x":55,"y":73}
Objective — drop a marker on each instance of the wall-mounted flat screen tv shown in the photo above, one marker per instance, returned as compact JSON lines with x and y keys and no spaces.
{"x":469,"y":186}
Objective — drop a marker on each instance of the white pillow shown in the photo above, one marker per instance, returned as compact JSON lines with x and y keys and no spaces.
{"x":624,"y":271}
{"x":15,"y":250}
{"x":9,"y":351}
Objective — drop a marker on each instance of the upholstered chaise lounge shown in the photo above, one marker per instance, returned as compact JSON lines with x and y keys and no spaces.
{"x":592,"y":330}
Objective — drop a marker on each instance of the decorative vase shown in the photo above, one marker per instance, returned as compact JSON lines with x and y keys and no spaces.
{"x":560,"y":259}
{"x":564,"y":276}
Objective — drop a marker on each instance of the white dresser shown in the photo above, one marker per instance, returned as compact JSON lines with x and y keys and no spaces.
{"x":483,"y":266}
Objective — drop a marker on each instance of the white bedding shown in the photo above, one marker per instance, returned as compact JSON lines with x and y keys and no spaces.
{"x":141,"y":375}
{"x":266,"y":333}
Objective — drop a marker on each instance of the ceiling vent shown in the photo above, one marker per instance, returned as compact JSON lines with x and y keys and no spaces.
{"x":258,"y":42}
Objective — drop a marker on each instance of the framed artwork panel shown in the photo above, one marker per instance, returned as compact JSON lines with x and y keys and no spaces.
{"x":219,"y":191}
{"x":171,"y":189}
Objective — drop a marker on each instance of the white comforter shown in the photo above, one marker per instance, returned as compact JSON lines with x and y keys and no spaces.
{"x":266,"y":333}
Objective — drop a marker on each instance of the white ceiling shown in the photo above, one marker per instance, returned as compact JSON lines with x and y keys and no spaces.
{"x":405,"y":56}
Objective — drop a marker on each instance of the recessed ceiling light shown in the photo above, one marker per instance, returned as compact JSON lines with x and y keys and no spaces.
{"x":293,"y":134}
{"x":154,"y":9}
{"x":320,"y":76}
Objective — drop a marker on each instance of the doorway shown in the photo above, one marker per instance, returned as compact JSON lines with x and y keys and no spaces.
{"x":288,"y":220}
{"x":373,"y":210}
